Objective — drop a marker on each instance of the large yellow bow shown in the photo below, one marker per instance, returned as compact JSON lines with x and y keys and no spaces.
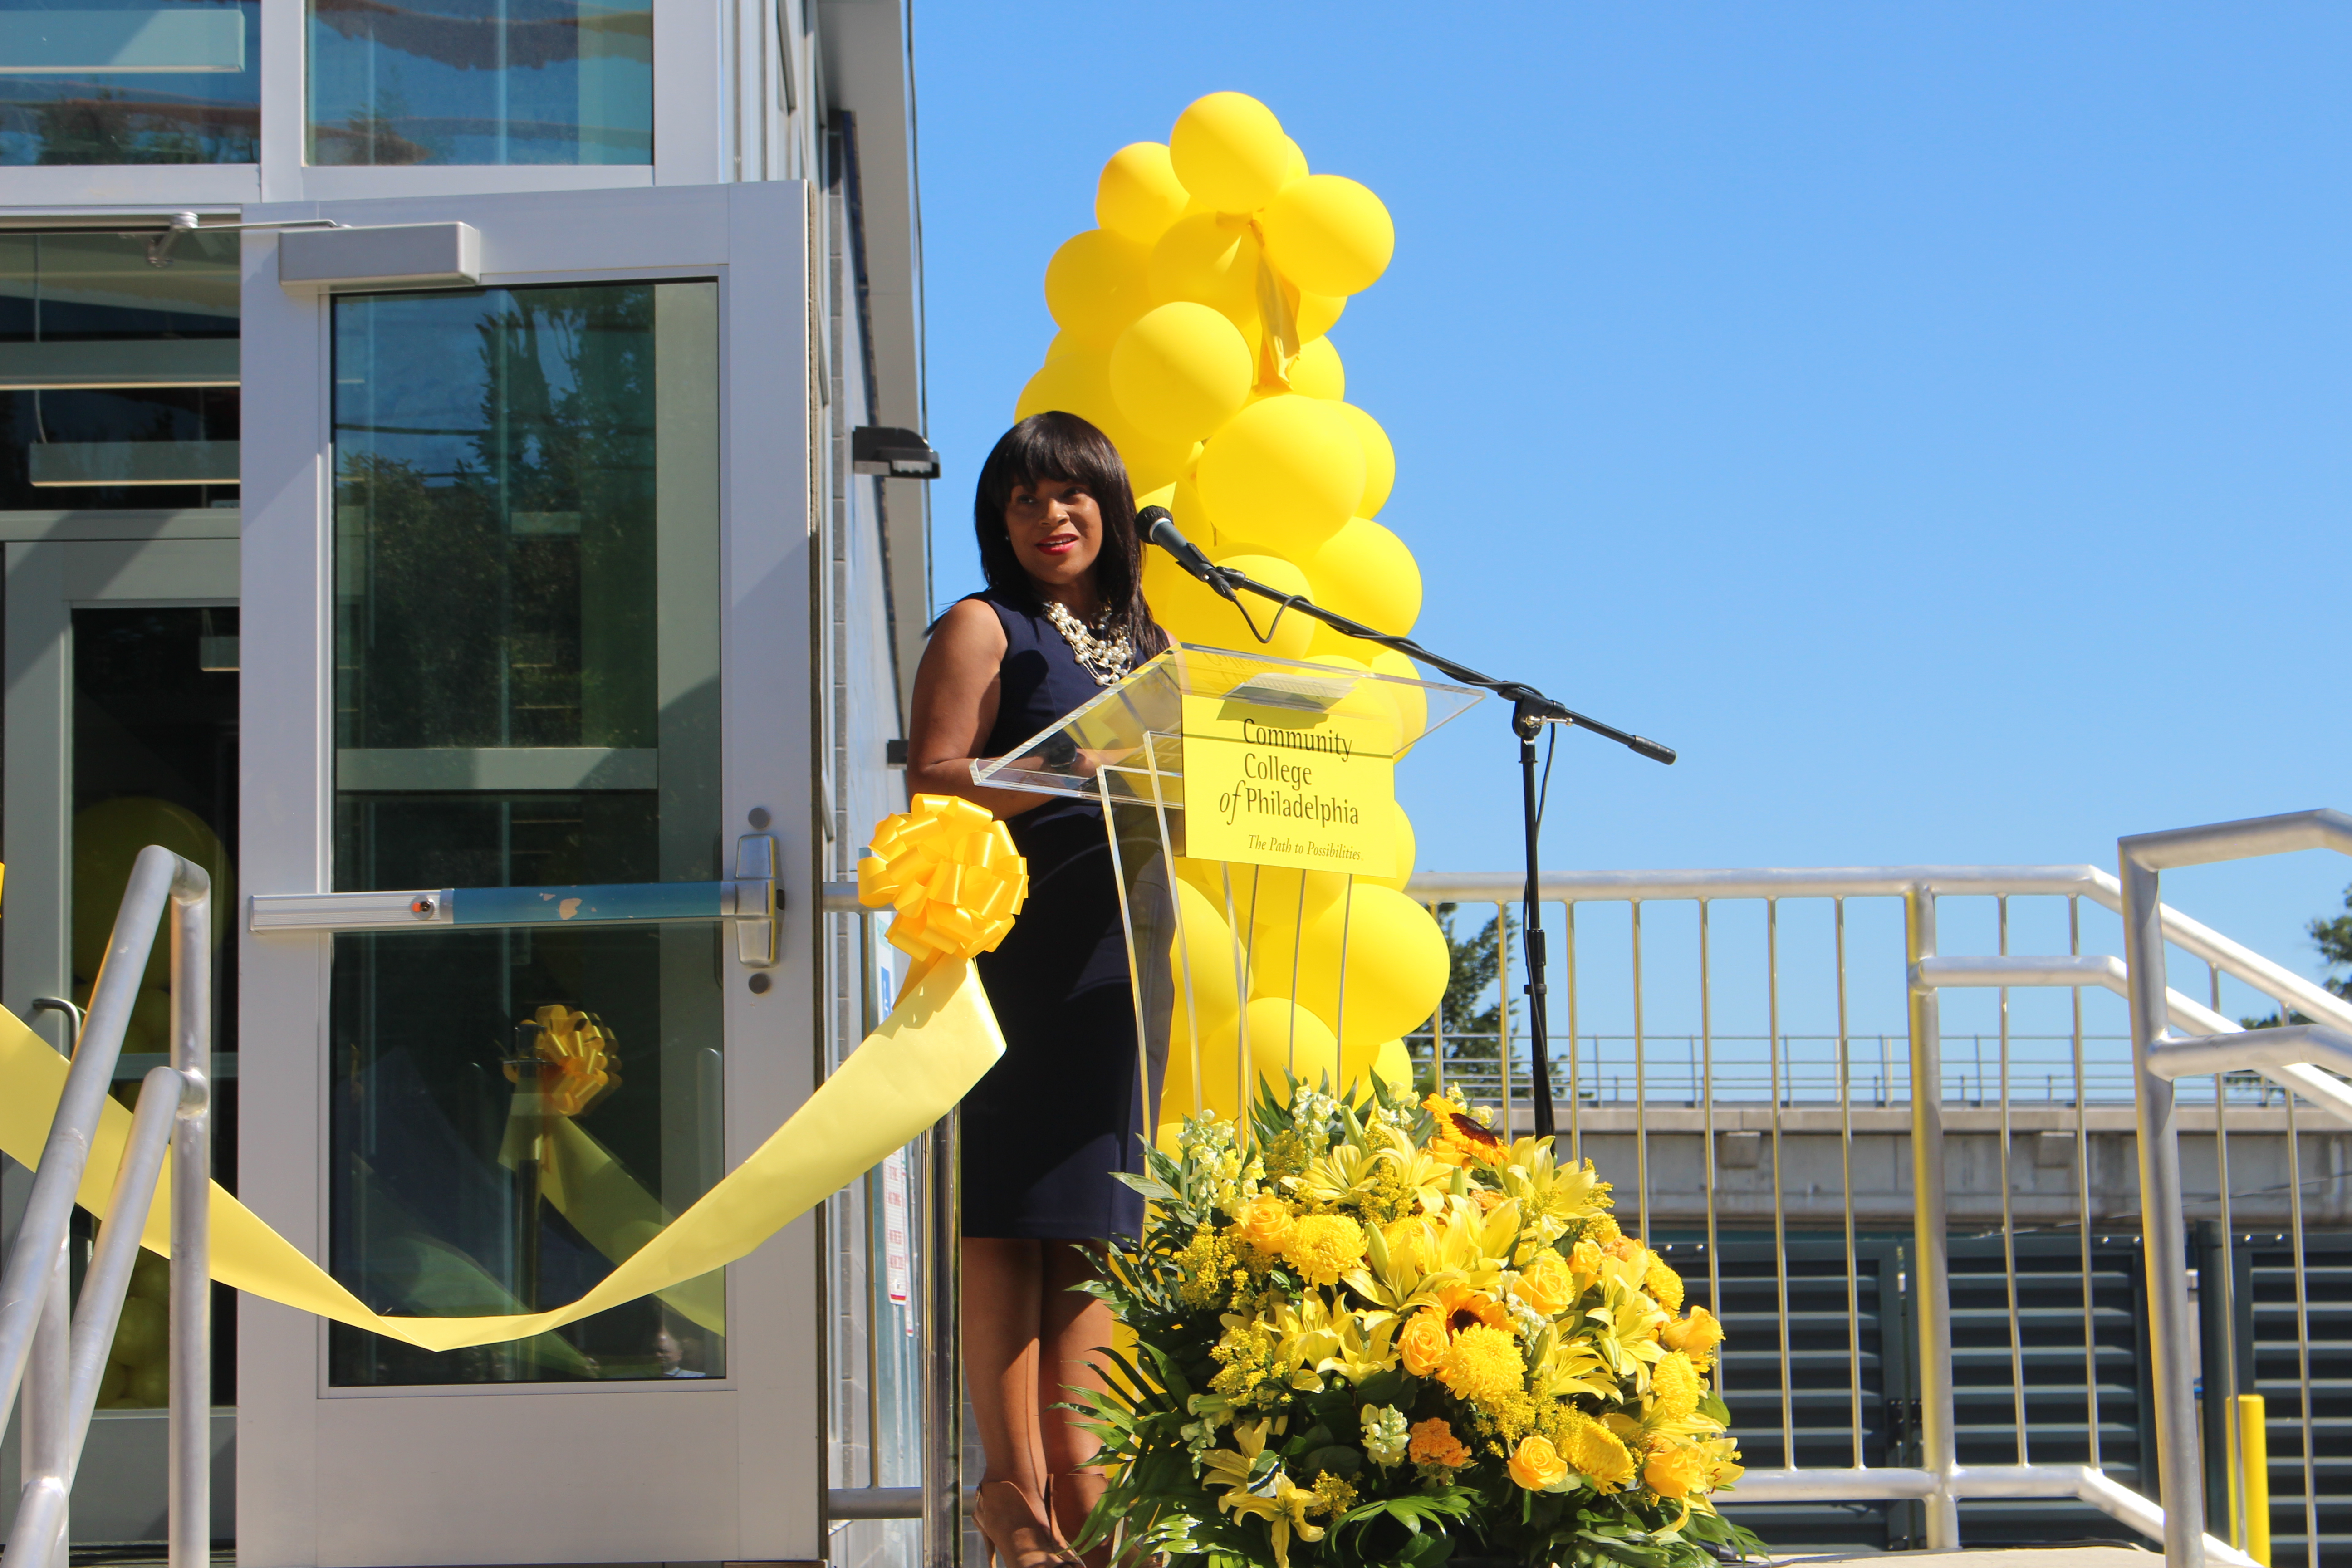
{"x":950,"y":870}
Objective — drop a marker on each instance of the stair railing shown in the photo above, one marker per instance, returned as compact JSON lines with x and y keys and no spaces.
{"x":66,"y":1359}
{"x":2285,"y":1056}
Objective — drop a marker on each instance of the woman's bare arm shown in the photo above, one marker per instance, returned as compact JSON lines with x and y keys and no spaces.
{"x":956,"y":693}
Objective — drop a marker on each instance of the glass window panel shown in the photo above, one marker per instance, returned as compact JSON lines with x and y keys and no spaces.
{"x":114,"y":370}
{"x":481,"y":81}
{"x":526,"y":569}
{"x":130,"y":82}
{"x":155,"y":762}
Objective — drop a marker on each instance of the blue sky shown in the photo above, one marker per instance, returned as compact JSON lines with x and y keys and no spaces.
{"x":1930,"y":419}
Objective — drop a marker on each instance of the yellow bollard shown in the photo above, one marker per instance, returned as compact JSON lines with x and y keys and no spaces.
{"x":2249,"y":1481}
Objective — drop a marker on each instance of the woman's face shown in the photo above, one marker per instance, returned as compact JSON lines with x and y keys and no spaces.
{"x":1056,"y":531}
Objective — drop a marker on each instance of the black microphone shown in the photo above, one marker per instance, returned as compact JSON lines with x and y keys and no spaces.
{"x":1159,"y":526}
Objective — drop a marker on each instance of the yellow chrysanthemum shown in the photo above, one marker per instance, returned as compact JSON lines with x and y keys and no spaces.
{"x":1324,"y":1247}
{"x":1595,"y":1452}
{"x":1434,"y":1443}
{"x":1665,"y":1286}
{"x":1482,"y":1363}
{"x":1695,"y":1336}
{"x":1680,"y":1470}
{"x":1674,"y":1388}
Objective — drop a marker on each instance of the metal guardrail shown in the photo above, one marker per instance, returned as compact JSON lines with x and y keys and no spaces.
{"x":2285,"y":1055}
{"x":1939,"y":1481}
{"x":57,"y":1361}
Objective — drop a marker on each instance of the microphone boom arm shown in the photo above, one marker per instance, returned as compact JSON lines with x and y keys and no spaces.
{"x":1531,"y":707}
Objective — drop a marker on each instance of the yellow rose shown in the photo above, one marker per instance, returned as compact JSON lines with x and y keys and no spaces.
{"x":1262,"y":1226}
{"x":1545,"y":1284}
{"x":1695,"y":1336}
{"x":1674,"y":1472}
{"x":1584,"y":1258}
{"x":1434,"y":1443}
{"x":1536,"y":1466}
{"x":1422,"y":1344}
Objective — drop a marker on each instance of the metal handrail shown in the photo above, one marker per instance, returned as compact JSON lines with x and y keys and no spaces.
{"x":1941,"y":1482}
{"x":174,"y":1107}
{"x":2142,"y":858}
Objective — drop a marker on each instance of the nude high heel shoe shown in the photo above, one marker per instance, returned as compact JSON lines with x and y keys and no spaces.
{"x":1019,"y":1535}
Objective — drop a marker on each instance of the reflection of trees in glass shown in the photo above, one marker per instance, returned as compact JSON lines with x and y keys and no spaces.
{"x":509,"y":602}
{"x":109,"y":126}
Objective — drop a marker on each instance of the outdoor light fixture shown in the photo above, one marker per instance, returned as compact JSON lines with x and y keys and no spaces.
{"x":894,"y":453}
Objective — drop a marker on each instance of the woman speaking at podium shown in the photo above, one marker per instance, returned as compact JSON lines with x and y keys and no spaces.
{"x":1062,"y":617}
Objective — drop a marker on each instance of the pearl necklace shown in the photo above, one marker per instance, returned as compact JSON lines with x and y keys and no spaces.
{"x":1104,"y":655}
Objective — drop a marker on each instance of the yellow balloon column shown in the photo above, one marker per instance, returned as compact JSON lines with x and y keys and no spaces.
{"x":1194,"y":332}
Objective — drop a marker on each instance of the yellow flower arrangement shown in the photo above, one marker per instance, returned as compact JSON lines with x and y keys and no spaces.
{"x":1361,"y":1322}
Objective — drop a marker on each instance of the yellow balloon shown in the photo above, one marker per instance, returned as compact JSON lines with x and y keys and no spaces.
{"x":1319,"y":313}
{"x":1065,"y":342}
{"x":1193,"y":614}
{"x":1285,"y":1037}
{"x":1407,"y":847}
{"x":1295,"y":166}
{"x":1209,"y":260}
{"x":1316,"y":370}
{"x":1412,"y":702}
{"x":1095,"y":283}
{"x":106,"y":838}
{"x":1230,"y":151}
{"x":1329,"y":234}
{"x":1366,"y":574}
{"x":1392,"y":1065}
{"x":1077,"y":383}
{"x":1396,"y":969}
{"x":1180,"y":370}
{"x":1200,"y":955}
{"x":1287,"y":473}
{"x":1379,"y":459}
{"x":1138,"y":195}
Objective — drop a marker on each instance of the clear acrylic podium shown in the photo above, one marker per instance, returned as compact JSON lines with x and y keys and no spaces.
{"x":1215,"y":943}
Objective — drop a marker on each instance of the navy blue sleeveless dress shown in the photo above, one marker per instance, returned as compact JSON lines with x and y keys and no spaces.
{"x":1063,"y":1109}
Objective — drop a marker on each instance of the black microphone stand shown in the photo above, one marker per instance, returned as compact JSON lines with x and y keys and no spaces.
{"x":1531,"y":711}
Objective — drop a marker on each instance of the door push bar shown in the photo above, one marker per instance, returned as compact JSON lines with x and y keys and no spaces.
{"x":750,"y":900}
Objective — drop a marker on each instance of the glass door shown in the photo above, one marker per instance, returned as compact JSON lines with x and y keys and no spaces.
{"x":527,"y":691}
{"x":527,"y":621}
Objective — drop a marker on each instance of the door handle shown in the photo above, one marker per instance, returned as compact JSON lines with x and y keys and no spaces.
{"x":750,"y":902}
{"x":757,"y":936}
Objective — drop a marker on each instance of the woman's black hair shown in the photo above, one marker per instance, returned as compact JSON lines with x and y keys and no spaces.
{"x":1057,"y":446}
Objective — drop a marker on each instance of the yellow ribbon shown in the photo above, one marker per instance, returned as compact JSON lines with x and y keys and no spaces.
{"x":948,"y":868}
{"x":937,"y":1040}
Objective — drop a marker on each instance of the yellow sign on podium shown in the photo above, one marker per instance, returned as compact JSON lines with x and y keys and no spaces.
{"x":1272,"y":785}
